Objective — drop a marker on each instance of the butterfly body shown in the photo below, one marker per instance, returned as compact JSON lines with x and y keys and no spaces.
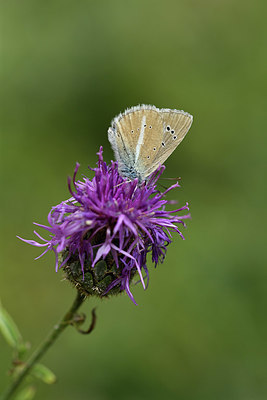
{"x":144,"y":136}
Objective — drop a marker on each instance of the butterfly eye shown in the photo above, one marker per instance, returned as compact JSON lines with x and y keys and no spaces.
{"x":172,"y":131}
{"x":168,"y":127}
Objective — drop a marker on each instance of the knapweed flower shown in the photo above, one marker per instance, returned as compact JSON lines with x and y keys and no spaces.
{"x":102,"y":235}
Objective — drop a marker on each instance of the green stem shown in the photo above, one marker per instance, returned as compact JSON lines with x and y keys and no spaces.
{"x":56,"y":331}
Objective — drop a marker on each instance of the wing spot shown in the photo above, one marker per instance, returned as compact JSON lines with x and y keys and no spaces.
{"x":163,"y":144}
{"x":154,"y":149}
{"x":168,"y":127}
{"x":174,"y":137}
{"x":150,"y":127}
{"x":144,"y":125}
{"x":138,"y":129}
{"x":172,"y":131}
{"x":148,"y":156}
{"x":132,"y":131}
{"x":118,"y":135}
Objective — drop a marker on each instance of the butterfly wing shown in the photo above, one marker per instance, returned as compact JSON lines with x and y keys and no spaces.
{"x":176,"y":124}
{"x":135,"y":140}
{"x":144,"y":137}
{"x":174,"y":127}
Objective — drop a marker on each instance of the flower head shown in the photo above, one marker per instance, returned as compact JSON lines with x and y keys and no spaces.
{"x":101,"y":235}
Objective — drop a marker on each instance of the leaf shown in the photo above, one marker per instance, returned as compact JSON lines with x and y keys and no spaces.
{"x":43,"y":373}
{"x":23,"y":348}
{"x":9,"y":329}
{"x":26,"y":394}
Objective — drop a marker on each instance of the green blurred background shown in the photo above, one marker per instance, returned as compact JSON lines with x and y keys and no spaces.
{"x":67,"y":68}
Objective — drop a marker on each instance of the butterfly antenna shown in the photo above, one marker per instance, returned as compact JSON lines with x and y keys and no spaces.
{"x":172,"y":179}
{"x":162,"y":186}
{"x":169,"y":179}
{"x":122,"y":183}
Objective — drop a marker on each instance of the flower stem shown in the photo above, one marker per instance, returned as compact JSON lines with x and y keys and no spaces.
{"x":36,"y":356}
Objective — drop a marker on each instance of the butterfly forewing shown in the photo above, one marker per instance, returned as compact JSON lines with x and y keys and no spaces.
{"x":175,"y":126}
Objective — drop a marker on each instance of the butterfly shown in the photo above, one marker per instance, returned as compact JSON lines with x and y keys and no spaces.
{"x":144,"y":136}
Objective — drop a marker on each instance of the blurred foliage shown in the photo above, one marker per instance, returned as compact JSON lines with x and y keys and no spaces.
{"x":27,"y":393}
{"x":67,"y":68}
{"x":9,"y":330}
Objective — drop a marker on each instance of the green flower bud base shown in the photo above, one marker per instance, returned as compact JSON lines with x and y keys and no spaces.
{"x":92,"y":281}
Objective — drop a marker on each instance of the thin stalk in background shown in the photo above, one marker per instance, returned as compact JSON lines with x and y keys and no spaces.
{"x":49,"y":341}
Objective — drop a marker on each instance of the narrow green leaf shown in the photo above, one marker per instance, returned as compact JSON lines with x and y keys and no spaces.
{"x":9,"y":329}
{"x":44,"y":373}
{"x":23,"y":348}
{"x":26,"y":394}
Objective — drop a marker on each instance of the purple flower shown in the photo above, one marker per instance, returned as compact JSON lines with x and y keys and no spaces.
{"x":109,"y":225}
